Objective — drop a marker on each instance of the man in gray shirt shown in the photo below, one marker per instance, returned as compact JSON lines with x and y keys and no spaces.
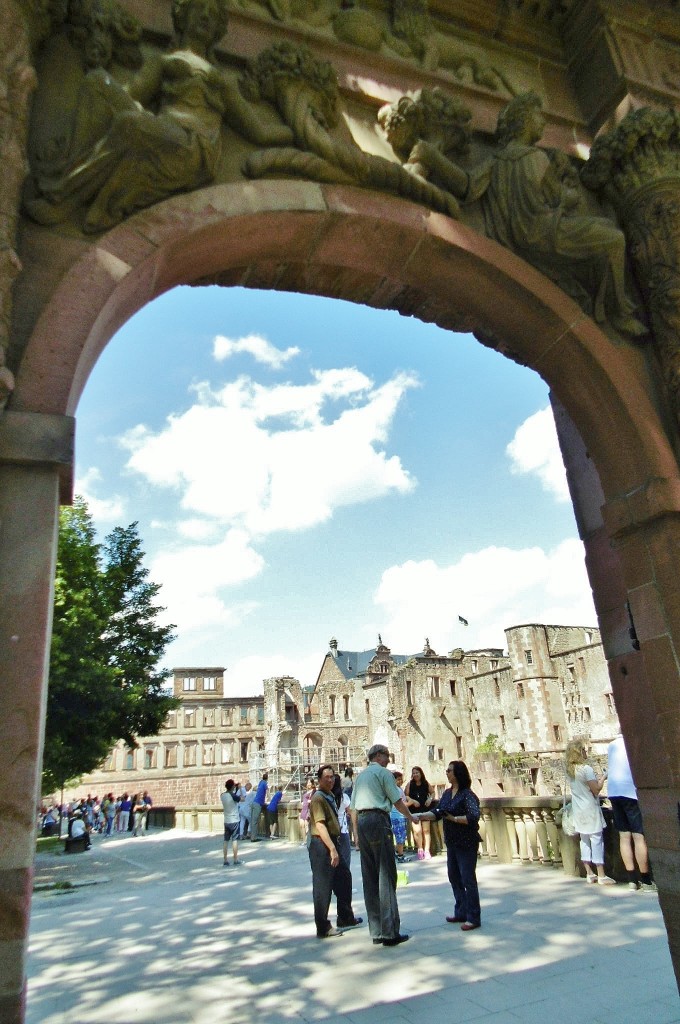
{"x":374,"y":794}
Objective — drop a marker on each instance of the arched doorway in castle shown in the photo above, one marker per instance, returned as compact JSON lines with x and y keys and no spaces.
{"x":343,"y":243}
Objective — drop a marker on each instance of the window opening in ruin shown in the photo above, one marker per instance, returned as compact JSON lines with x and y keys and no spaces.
{"x":430,"y":753}
{"x":473,"y":665}
{"x":208,"y":716}
{"x":503,"y":727}
{"x":189,"y":719}
{"x":170,"y":758}
{"x":433,"y":686}
{"x":244,"y":714}
{"x":452,"y":686}
{"x":557,"y":732}
{"x":520,"y":690}
{"x":244,"y":751}
{"x":260,"y":716}
{"x":529,"y":657}
{"x":459,"y":747}
{"x":346,"y":707}
{"x":497,"y":689}
{"x":409,"y":693}
{"x":226,"y":716}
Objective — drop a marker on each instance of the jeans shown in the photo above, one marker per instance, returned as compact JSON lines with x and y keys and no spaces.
{"x":327,"y":879}
{"x":379,"y":874}
{"x":461,"y":864}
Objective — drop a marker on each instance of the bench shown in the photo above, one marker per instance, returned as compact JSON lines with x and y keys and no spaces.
{"x":77,"y":844}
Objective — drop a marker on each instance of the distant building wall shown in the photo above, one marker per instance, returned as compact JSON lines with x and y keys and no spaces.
{"x":427,"y":709}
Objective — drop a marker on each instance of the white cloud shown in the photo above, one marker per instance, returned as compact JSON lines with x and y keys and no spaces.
{"x":535,"y":450}
{"x":192,"y":577}
{"x":255,"y":345}
{"x":493,"y":589}
{"x":102,"y":510}
{"x":245,"y":675}
{"x":281,"y":458}
{"x":246,"y":461}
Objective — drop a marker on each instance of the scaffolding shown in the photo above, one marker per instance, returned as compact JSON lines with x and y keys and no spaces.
{"x":290,"y":767}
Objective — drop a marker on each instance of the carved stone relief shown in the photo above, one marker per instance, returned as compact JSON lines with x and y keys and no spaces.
{"x":305,"y":93}
{"x":17,"y":83}
{"x":129,"y":145}
{"x":532,"y":204}
{"x":129,"y":138}
{"x":637,"y":167}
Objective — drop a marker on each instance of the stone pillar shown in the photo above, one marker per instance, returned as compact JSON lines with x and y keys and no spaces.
{"x":32,"y":450}
{"x":637,"y":167}
{"x":632,"y":548}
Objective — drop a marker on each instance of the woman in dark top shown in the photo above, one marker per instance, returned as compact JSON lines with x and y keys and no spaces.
{"x":422,"y":792}
{"x":458,"y":808}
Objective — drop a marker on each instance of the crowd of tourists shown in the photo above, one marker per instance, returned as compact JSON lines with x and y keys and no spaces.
{"x":106,"y":815}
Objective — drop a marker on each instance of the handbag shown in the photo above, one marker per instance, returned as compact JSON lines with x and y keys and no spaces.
{"x":567,"y":821}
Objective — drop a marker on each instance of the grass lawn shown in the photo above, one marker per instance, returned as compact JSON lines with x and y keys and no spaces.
{"x":48,"y":844}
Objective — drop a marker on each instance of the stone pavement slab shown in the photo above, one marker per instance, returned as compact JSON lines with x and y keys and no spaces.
{"x":172,"y":937}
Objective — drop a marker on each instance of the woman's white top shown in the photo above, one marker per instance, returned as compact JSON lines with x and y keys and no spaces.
{"x":586,"y":810}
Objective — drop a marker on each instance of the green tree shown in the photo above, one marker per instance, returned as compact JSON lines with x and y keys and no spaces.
{"x":104,"y":684}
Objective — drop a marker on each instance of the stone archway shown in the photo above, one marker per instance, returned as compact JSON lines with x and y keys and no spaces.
{"x":347,"y":243}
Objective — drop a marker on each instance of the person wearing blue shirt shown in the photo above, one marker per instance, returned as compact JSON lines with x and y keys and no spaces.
{"x":273,"y":813}
{"x":258,"y":806}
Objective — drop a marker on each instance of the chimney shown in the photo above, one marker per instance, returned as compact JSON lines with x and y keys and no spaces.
{"x":333,"y":644}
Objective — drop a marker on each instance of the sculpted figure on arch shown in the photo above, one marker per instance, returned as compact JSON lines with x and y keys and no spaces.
{"x":131,"y":146}
{"x":532,"y":204}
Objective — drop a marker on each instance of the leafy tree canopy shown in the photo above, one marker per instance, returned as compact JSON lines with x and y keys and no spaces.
{"x":104,"y":683}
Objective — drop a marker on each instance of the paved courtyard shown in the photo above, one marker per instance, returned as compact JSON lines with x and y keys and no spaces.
{"x":169,"y":936}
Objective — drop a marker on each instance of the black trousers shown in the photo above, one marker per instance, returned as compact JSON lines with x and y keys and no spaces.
{"x":326,"y":880}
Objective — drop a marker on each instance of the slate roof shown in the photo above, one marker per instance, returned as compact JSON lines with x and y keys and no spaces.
{"x":355,"y":663}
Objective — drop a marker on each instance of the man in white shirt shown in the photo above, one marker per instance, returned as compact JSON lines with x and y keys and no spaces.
{"x":627,"y":816}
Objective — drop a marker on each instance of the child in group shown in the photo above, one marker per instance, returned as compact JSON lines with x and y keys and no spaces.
{"x":398,"y":820}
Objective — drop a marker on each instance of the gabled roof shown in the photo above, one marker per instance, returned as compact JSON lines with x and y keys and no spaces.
{"x":355,"y":663}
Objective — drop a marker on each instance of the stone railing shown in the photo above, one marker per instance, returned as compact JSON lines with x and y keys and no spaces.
{"x":515,"y":830}
{"x":523,"y":830}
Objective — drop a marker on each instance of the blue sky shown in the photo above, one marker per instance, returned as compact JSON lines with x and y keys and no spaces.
{"x":303,"y":468}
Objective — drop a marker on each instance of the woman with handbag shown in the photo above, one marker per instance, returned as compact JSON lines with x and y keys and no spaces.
{"x":586,"y":811}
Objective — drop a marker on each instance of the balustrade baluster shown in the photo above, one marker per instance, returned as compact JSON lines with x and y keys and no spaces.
{"x":512,"y":833}
{"x":532,"y":837}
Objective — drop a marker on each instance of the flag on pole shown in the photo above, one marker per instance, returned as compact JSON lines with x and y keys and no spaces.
{"x":463,"y":622}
